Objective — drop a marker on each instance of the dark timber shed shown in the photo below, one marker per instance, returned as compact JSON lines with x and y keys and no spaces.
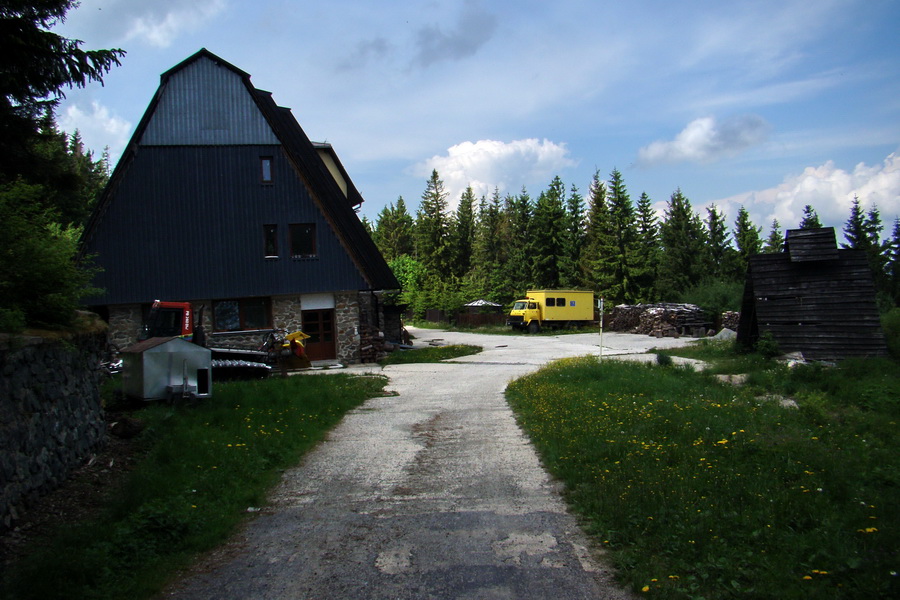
{"x":813,"y":298}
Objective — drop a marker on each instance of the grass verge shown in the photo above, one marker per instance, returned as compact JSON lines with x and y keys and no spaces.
{"x":205,"y":465}
{"x":431,"y":354}
{"x":703,"y":490}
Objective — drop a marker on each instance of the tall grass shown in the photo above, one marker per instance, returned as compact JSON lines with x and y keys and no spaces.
{"x":206,"y":464}
{"x":704,"y":490}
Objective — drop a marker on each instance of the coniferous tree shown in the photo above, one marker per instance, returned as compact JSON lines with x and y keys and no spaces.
{"x":863,"y":232}
{"x":367,"y":225}
{"x":775,"y":241}
{"x":810,"y":218}
{"x":682,"y":240}
{"x":893,"y":263}
{"x":464,"y":233}
{"x":487,"y":272}
{"x":393,"y":232}
{"x":432,"y":229}
{"x":599,"y":248}
{"x":621,"y":211}
{"x":646,"y":257}
{"x":516,"y":235}
{"x":746,"y":238}
{"x":573,"y":240}
{"x":855,"y":227}
{"x":721,"y":258}
{"x":35,"y":66}
{"x":546,"y":249}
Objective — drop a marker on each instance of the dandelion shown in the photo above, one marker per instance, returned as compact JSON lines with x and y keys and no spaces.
{"x":646,"y":588}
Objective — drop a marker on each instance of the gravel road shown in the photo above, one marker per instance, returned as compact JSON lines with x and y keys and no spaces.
{"x":431,"y":493}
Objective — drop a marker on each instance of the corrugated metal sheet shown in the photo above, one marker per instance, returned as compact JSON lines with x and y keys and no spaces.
{"x":206,"y":103}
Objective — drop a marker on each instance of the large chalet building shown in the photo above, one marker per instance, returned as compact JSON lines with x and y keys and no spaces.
{"x":221,"y":200}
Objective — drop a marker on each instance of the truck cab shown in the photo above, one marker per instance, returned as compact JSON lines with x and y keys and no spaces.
{"x":525,"y":314}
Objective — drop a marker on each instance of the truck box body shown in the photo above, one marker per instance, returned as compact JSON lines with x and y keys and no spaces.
{"x":552,"y":308}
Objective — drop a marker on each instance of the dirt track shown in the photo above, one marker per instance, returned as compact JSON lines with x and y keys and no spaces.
{"x":432,"y":493}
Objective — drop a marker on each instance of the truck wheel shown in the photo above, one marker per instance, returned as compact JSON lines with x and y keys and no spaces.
{"x":534,"y":327}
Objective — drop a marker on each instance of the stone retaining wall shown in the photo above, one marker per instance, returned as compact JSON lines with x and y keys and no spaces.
{"x":51,"y":417}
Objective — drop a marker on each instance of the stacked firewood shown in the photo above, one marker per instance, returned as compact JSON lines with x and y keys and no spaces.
{"x":730,"y":320}
{"x":371,"y":347}
{"x":663,"y":319}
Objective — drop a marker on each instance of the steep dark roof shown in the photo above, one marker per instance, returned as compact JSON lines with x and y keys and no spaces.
{"x":336,"y":207}
{"x":343,"y":218}
{"x":813,"y":298}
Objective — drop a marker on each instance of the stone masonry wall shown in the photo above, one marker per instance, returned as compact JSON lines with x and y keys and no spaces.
{"x":346,"y":317}
{"x":124,"y":324}
{"x":51,"y":417}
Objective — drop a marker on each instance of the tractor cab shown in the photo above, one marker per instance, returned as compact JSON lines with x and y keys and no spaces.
{"x":168,"y":319}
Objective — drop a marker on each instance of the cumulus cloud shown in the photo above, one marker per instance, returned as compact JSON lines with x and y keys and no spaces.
{"x":488,"y":164}
{"x":98,"y":128}
{"x":706,"y":140}
{"x":830,"y":191}
{"x":472,"y":30}
{"x":157,"y":23}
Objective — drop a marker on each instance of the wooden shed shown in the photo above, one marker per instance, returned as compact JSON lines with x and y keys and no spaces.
{"x":813,"y":298}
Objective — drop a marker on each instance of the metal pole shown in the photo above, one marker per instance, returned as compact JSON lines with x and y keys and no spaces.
{"x":601,"y":328}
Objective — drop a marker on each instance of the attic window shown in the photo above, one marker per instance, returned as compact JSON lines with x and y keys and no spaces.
{"x":265,"y":169}
{"x":303,"y":240}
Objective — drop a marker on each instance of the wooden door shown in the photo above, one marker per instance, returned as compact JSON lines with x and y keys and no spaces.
{"x":319,"y":326}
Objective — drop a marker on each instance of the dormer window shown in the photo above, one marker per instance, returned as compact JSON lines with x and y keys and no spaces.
{"x":265,"y":169}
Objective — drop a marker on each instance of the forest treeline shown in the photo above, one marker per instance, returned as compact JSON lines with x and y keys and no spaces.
{"x":497,"y":248}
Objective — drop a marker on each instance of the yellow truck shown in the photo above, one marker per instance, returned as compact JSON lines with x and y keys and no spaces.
{"x":552,"y":308}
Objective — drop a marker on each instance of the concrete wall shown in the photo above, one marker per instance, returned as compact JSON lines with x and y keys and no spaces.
{"x":51,"y":418}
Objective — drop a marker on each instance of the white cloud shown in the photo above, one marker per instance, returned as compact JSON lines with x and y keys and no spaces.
{"x":98,"y":128}
{"x":705,"y":140}
{"x":158,"y":23}
{"x":489,"y":164}
{"x":830,"y":191}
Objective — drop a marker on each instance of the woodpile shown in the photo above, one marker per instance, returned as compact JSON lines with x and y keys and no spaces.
{"x":730,"y":320}
{"x":661,"y":320}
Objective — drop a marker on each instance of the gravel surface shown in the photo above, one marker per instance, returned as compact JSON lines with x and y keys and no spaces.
{"x":431,"y":493}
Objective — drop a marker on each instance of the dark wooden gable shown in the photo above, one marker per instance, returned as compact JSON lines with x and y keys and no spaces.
{"x":813,"y":298}
{"x":185,"y":210}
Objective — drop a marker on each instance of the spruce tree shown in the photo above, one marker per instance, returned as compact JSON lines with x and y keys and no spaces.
{"x":487,"y":272}
{"x":893,"y":263}
{"x":546,"y":248}
{"x":646,"y":257}
{"x":599,"y":249}
{"x":432,"y":229}
{"x":682,"y":240}
{"x":810,"y":218}
{"x":517,"y":226}
{"x":722,"y":263}
{"x":775,"y":241}
{"x":746,"y":238}
{"x":621,"y":212}
{"x":464,"y":233}
{"x":573,"y":241}
{"x":393,"y":232}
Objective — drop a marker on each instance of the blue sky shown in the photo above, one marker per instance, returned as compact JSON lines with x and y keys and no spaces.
{"x":768,"y":104}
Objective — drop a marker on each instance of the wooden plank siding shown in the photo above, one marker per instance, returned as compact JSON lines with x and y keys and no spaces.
{"x":824,"y":308}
